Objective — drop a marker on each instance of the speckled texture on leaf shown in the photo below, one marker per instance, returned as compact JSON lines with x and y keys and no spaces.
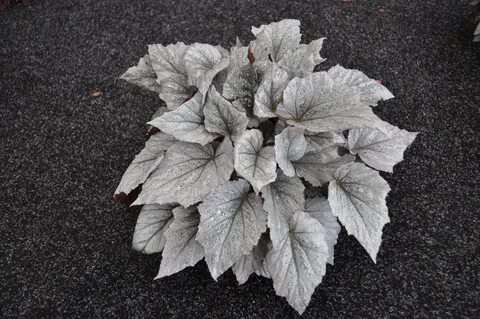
{"x":319,"y":103}
{"x":145,"y":162}
{"x":283,"y":198}
{"x":319,"y":208}
{"x":188,"y":173}
{"x":152,"y":222}
{"x":252,"y":262}
{"x":242,"y":84}
{"x":299,"y":264}
{"x":169,"y":66}
{"x":270,"y":92}
{"x":231,"y":223}
{"x":143,"y":75}
{"x":181,"y":248}
{"x":253,"y":161}
{"x":371,"y":91}
{"x":222,"y":118}
{"x":203,"y":62}
{"x":319,"y":166}
{"x":290,"y":145}
{"x":357,"y":197}
{"x":186,"y":122}
{"x":276,"y":39}
{"x":302,"y":61}
{"x":378,"y":150}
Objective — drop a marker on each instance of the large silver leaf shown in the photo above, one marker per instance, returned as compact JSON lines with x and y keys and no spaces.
{"x":357,"y":198}
{"x":318,"y":141}
{"x":302,"y":61}
{"x":252,"y":262}
{"x":142,"y":75}
{"x":290,"y":145}
{"x":203,"y":62}
{"x":299,"y":264}
{"x":153,"y":221}
{"x":253,"y":161}
{"x":270,"y":92}
{"x":276,"y":39}
{"x":318,"y":208}
{"x":145,"y":162}
{"x":222,"y":118}
{"x":378,"y":150}
{"x":319,"y":103}
{"x":283,"y":198}
{"x":168,"y":64}
{"x":370,"y":90}
{"x":181,"y":248}
{"x":318,"y":166}
{"x":186,"y":122}
{"x":231,"y":223}
{"x":188,"y":173}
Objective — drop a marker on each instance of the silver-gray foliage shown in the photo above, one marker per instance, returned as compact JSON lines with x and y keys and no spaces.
{"x":231,"y":171}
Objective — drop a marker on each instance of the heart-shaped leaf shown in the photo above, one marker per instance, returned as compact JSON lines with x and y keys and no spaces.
{"x":181,"y":248}
{"x":319,"y":103}
{"x":253,"y":161}
{"x":378,"y":150}
{"x":186,"y":123}
{"x":357,"y":198}
{"x":153,"y":221}
{"x":188,"y":173}
{"x":231,"y":223}
{"x":290,"y":146}
{"x":299,"y":264}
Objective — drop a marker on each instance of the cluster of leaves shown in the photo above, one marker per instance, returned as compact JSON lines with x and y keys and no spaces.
{"x":476,"y":33}
{"x":244,"y":132}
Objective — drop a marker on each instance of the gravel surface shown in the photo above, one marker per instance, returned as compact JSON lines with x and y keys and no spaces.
{"x":66,"y":246}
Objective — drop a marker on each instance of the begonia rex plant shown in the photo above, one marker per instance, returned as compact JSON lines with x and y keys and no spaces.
{"x":243,"y":134}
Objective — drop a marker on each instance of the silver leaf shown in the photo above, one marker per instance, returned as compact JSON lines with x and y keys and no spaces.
{"x":318,"y":166}
{"x":370,"y":90}
{"x":357,"y":198}
{"x":253,"y":161}
{"x":299,"y":264}
{"x":152,"y":222}
{"x":145,"y":162}
{"x":319,"y":209}
{"x":276,"y":39}
{"x":319,"y":103}
{"x":186,"y":122}
{"x":252,"y":262}
{"x":188,"y":173}
{"x":203,"y":62}
{"x":222,"y":118}
{"x":181,"y":249}
{"x":168,"y":64}
{"x":378,"y":150}
{"x":290,"y":145}
{"x":231,"y":223}
{"x":283,"y":198}
{"x":142,"y":75}
{"x":302,"y":61}
{"x":270,"y":92}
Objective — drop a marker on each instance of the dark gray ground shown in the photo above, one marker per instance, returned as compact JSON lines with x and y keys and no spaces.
{"x":65,"y":246}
